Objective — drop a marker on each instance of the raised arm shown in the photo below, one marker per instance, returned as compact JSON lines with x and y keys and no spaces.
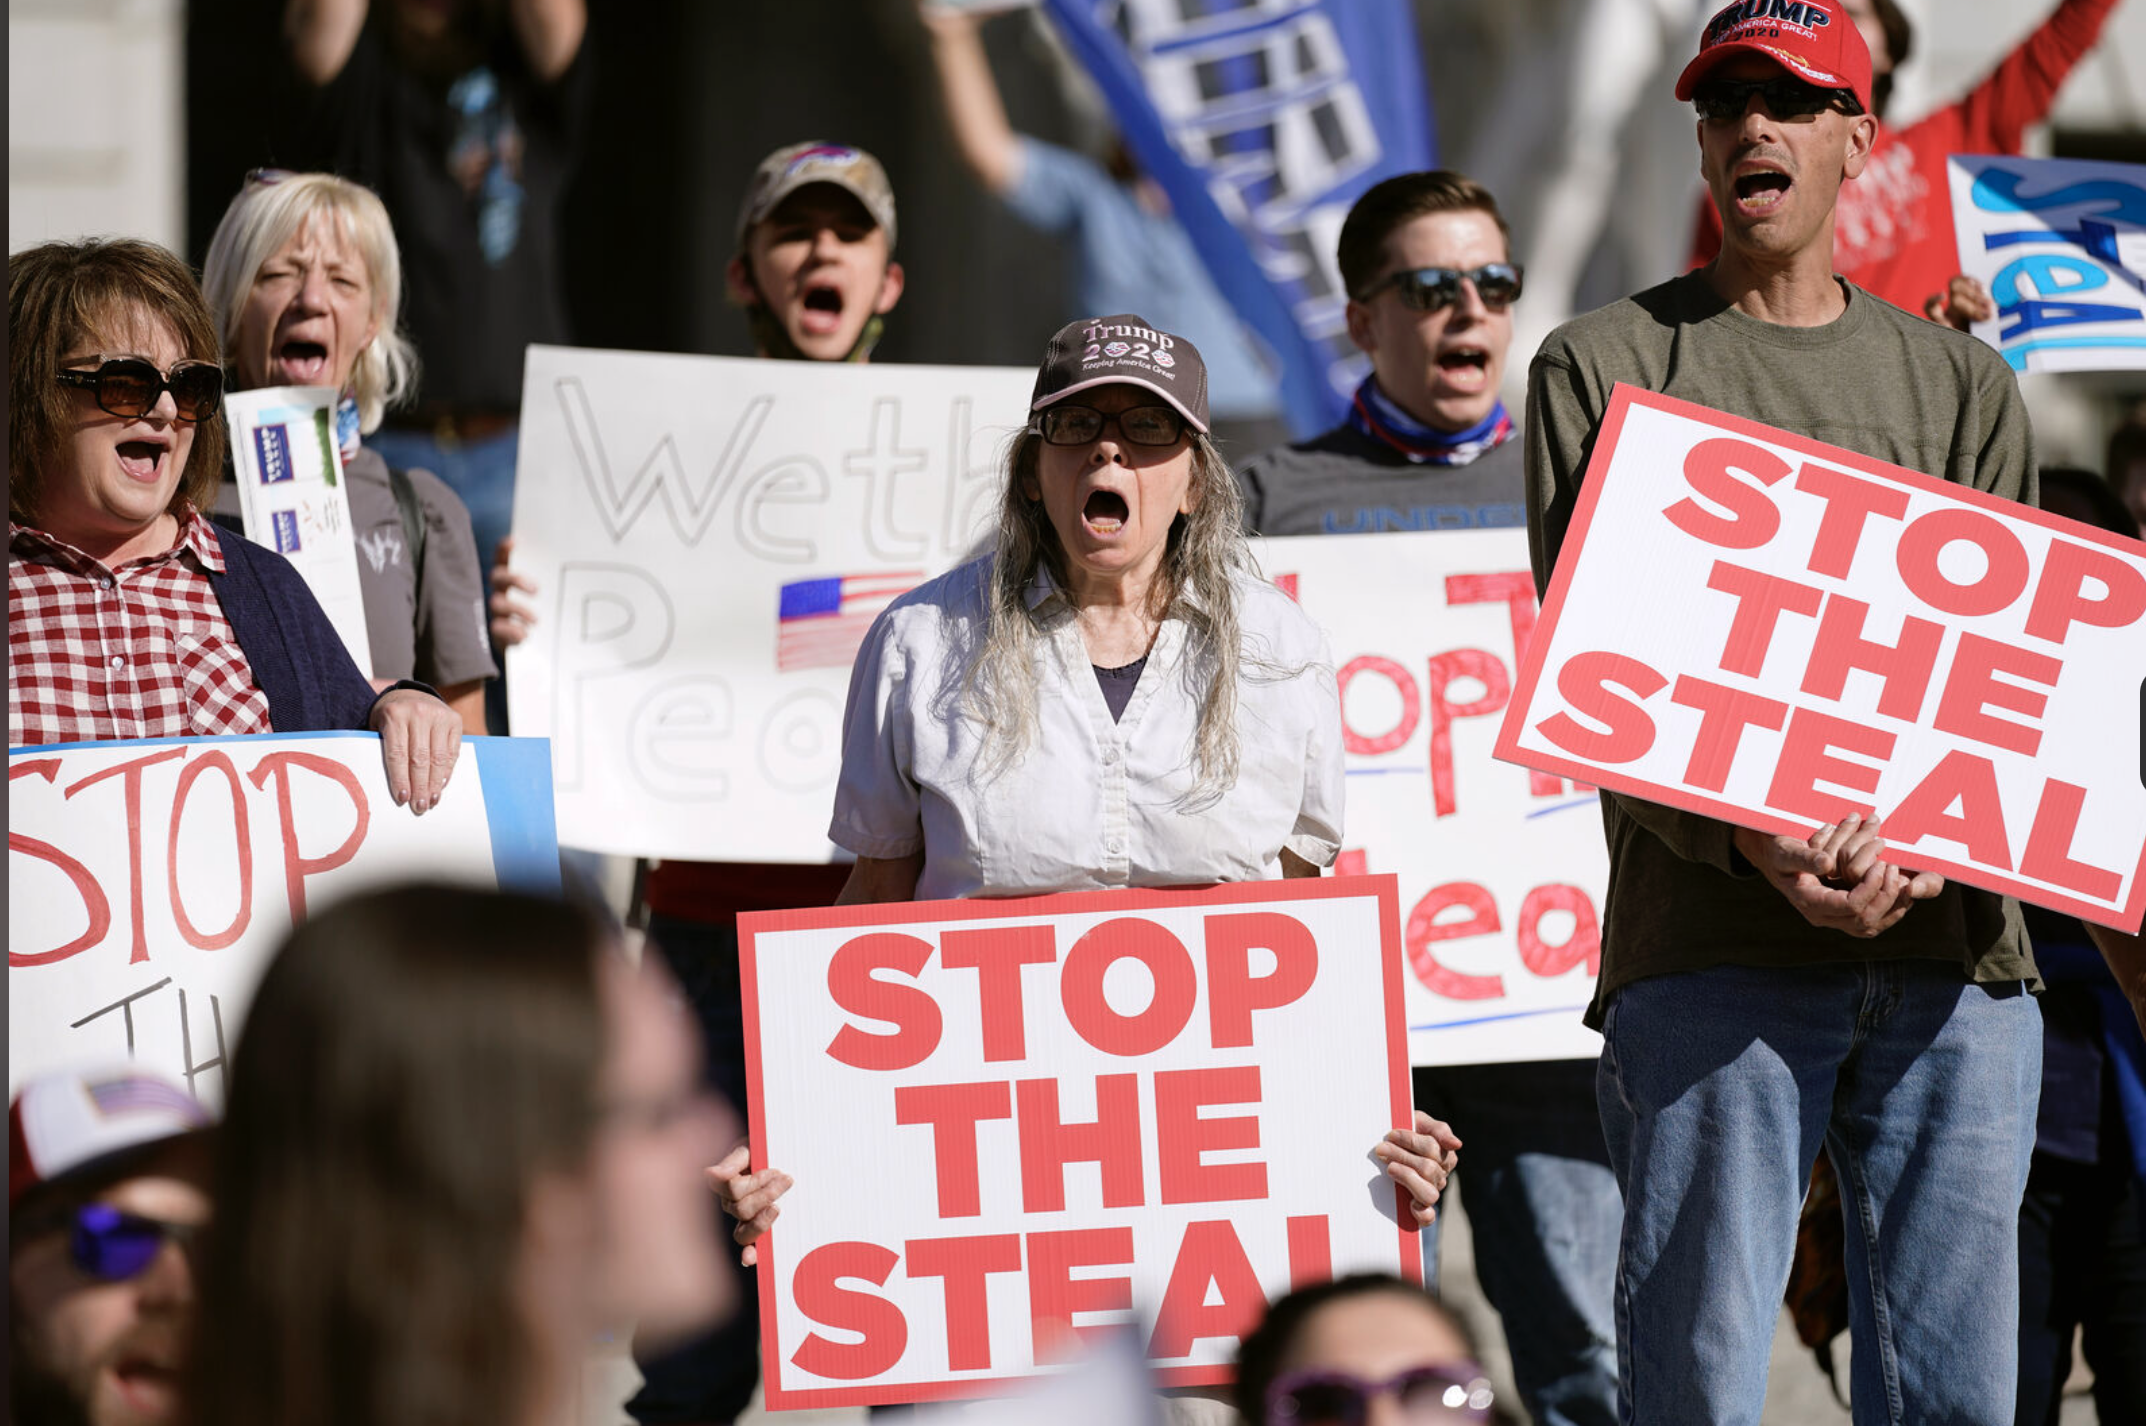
{"x":321,"y":35}
{"x":986,"y":142}
{"x":550,"y":34}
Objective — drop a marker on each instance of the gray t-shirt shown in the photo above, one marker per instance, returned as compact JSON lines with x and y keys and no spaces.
{"x":425,"y":623}
{"x":1348,"y":483}
{"x":1875,"y":380}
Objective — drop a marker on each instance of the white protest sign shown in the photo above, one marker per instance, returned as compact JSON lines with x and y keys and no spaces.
{"x":1502,"y":870}
{"x":150,"y":881}
{"x":711,"y":538}
{"x":291,"y":497}
{"x":1013,"y":1124}
{"x":1755,"y":626}
{"x":2061,"y":245}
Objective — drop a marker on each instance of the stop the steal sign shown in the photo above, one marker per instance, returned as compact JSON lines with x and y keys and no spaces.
{"x":1761,"y":628}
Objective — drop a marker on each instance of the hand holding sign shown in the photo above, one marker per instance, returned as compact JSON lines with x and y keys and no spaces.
{"x":420,"y":738}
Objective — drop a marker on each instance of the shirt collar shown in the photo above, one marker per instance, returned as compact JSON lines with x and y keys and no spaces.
{"x":197,"y":537}
{"x":1044,"y":590}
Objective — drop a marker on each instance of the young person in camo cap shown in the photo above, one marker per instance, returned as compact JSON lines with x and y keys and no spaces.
{"x":1764,"y":996}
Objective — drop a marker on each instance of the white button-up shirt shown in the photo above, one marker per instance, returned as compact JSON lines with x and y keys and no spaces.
{"x":1093,"y":803}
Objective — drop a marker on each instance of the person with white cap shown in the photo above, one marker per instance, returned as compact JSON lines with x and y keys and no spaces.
{"x":1764,"y":996}
{"x":107,"y":1180}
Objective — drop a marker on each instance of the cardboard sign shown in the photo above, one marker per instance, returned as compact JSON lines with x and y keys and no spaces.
{"x":151,"y":881}
{"x":1758,"y":627}
{"x":711,"y":538}
{"x":1013,"y":1124}
{"x":2061,"y":245}
{"x":1502,"y":871}
{"x":292,"y":499}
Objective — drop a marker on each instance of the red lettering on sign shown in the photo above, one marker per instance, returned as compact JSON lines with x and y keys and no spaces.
{"x":130,"y":775}
{"x":1311,"y":1250}
{"x":1850,"y":501}
{"x":953,"y":1111}
{"x":1169,"y":965}
{"x":1807,"y":758}
{"x":1354,"y":862}
{"x":242,"y":834}
{"x":1425,"y":929}
{"x":1210,"y":1257}
{"x":1182,"y":1136}
{"x":964,"y":1264}
{"x":2048,"y":858}
{"x":1411,"y":706}
{"x":1724,"y":713}
{"x":997,"y":955}
{"x":1517,"y":588}
{"x":93,"y":900}
{"x":2058,"y":602}
{"x":1971,"y":688}
{"x":1584,"y":682}
{"x":1582,"y":947}
{"x":296,"y":865}
{"x":1054,"y":1294}
{"x":1233,"y":992}
{"x":821,"y":1297}
{"x":1970,"y":781}
{"x":1048,"y":1145}
{"x":859,"y":992}
{"x":1761,"y":600}
{"x":2000,"y":582}
{"x":1487,"y":669}
{"x":1752,"y":518}
{"x":1904,"y":668}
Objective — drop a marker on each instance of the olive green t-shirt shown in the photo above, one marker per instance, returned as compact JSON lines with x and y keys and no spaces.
{"x":1876,"y":380}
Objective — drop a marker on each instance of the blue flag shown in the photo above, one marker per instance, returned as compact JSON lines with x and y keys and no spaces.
{"x":1264,"y":120}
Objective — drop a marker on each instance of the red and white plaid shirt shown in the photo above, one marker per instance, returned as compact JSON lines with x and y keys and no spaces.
{"x":143,"y":651}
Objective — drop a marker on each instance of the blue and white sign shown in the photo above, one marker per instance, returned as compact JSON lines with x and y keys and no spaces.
{"x":2061,"y":246}
{"x":152,"y":880}
{"x":1264,"y":120}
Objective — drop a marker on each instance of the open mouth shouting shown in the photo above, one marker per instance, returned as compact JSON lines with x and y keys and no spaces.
{"x":145,"y":459}
{"x":1104,"y":513}
{"x":303,"y":363}
{"x":1464,"y":366}
{"x":150,"y":1388}
{"x":820,"y":313}
{"x":1760,"y":189}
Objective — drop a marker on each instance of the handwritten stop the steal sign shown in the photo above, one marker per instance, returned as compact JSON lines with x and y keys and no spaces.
{"x":1776,"y":632}
{"x":1014,"y":1124}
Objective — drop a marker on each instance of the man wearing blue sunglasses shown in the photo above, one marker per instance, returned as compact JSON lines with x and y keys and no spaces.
{"x":107,"y":1182}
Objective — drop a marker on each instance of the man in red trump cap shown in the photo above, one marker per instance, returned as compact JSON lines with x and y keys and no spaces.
{"x":1764,"y":996}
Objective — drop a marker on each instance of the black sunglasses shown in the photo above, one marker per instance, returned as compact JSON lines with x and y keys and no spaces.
{"x":130,"y":386}
{"x":1429,"y":288}
{"x":1456,"y":1395}
{"x":1786,"y":98}
{"x":1141,"y":425}
{"x":109,"y":1243}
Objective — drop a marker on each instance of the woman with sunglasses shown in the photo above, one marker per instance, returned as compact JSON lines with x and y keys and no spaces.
{"x":305,"y":282}
{"x":1366,"y":1350}
{"x":1114,"y":698}
{"x":129,"y":615}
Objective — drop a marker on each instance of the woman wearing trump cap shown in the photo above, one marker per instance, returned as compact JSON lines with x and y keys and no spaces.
{"x":1113,"y":698}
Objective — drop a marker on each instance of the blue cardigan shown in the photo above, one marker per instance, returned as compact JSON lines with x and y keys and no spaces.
{"x":297,"y":657}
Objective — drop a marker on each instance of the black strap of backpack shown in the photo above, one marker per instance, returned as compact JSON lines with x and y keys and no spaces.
{"x":413,"y":516}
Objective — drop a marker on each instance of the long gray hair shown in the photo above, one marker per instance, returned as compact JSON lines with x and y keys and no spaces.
{"x":1205,"y":550}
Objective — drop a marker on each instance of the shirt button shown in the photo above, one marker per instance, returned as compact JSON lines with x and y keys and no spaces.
{"x":1110,"y":757}
{"x":118,"y":662}
{"x":1114,"y":847}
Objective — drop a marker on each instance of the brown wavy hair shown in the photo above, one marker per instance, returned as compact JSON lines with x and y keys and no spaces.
{"x":414,"y":1059}
{"x":62,"y":297}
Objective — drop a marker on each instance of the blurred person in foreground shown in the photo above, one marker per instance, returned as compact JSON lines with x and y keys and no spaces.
{"x":1764,"y":996}
{"x":1363,"y":1350}
{"x":129,"y":614}
{"x":304,"y":279}
{"x":107,"y":1184}
{"x":463,"y":1138}
{"x":815,"y":274}
{"x":1428,"y":445}
{"x":1893,"y":231}
{"x":1114,"y":698}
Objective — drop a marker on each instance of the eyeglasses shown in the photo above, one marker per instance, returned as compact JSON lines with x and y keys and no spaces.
{"x":1429,"y":288}
{"x":1454,"y":1395}
{"x":1786,"y":98}
{"x":1141,"y":425}
{"x":109,"y":1243}
{"x":130,"y":386}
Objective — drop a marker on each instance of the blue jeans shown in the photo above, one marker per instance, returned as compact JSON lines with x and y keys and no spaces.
{"x":1545,"y":1213}
{"x":1717,"y":1088}
{"x":482,"y":473}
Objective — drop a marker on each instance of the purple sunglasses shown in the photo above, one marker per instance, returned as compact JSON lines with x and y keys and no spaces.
{"x":1456,"y":1394}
